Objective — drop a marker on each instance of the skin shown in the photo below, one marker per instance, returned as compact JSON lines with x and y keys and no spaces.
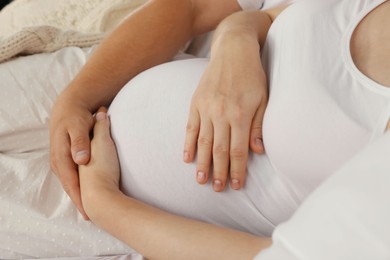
{"x":370,"y":46}
{"x":154,"y":233}
{"x":228,"y":106}
{"x":170,"y":23}
{"x":160,"y":235}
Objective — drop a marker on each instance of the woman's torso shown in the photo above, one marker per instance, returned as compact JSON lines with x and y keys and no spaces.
{"x":321,"y":112}
{"x":322,"y":109}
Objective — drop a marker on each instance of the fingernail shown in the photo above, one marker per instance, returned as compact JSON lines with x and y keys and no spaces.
{"x":235,"y":184}
{"x":81,"y":155}
{"x":217,"y":185}
{"x":259,"y":142}
{"x":201,"y":176}
{"x":186,"y":156}
{"x":101,"y":116}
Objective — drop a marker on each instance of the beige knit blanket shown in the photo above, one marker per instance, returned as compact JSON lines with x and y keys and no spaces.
{"x":35,"y":26}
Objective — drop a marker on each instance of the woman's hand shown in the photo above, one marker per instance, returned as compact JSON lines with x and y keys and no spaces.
{"x":152,"y":232}
{"x":227,"y":111}
{"x":102,"y":171}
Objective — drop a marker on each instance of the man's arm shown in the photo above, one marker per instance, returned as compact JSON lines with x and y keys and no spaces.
{"x":150,"y":36}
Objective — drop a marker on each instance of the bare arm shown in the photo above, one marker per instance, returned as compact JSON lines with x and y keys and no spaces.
{"x":228,"y":106}
{"x":150,"y":36}
{"x":152,"y":232}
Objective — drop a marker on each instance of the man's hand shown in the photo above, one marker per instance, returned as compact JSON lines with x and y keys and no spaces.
{"x":70,"y":125}
{"x":227,"y":112}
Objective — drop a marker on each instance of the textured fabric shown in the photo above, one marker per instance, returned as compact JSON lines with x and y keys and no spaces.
{"x":37,"y":218}
{"x":57,"y":24}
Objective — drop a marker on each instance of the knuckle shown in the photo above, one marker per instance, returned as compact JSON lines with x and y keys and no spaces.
{"x":220,"y":175}
{"x":220,"y":150}
{"x":257,"y":129}
{"x":239,"y":114}
{"x":191,"y":128}
{"x":204,"y":142}
{"x":237,"y":174}
{"x":220,"y":108}
{"x":79,"y":142}
{"x":238,"y":154}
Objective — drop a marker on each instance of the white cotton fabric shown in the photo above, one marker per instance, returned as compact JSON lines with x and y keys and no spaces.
{"x":251,"y":4}
{"x":320,"y":114}
{"x":274,"y":3}
{"x":346,"y":218}
{"x":322,"y":110}
{"x":149,"y":118}
{"x":37,"y":218}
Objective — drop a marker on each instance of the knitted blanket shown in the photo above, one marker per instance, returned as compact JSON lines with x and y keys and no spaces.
{"x":36,"y":26}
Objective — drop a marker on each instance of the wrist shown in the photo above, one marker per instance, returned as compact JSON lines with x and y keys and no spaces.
{"x":75,"y":95}
{"x":96,"y":196}
{"x":234,"y":40}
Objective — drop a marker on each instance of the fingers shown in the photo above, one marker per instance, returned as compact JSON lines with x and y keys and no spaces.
{"x":205,"y":144}
{"x":71,"y":185}
{"x":219,"y":143}
{"x":66,"y":170}
{"x":102,"y":125}
{"x":256,"y":131}
{"x":221,"y":155}
{"x":191,"y":138}
{"x":238,"y":155}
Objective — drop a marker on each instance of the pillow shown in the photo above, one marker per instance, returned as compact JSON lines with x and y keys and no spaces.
{"x":57,"y":24}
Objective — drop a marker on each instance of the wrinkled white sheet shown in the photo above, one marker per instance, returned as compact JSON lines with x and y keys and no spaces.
{"x":37,"y":218}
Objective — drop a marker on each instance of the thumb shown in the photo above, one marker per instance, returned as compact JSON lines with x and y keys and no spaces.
{"x":256,"y":135}
{"x":80,"y":144}
{"x":102,"y":124}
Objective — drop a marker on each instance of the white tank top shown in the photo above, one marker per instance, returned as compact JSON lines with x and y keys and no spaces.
{"x":320,"y":104}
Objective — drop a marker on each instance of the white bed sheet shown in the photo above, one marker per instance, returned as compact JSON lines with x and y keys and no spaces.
{"x":37,"y":218}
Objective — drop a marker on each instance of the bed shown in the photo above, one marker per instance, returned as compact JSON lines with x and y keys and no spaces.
{"x":37,"y":218}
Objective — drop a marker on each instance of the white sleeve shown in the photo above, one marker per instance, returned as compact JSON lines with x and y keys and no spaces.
{"x":250,"y":4}
{"x":274,"y":3}
{"x":347,"y":217}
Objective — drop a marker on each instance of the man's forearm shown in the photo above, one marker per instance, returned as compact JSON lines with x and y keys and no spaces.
{"x":150,"y":36}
